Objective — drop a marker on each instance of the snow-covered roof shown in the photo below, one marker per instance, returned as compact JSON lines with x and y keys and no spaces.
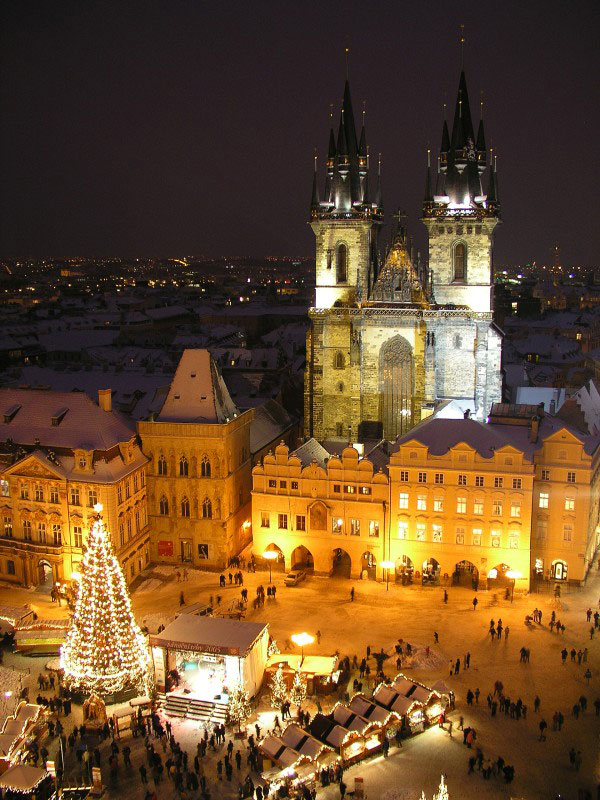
{"x":198,"y":392}
{"x":270,"y":421}
{"x":311,"y":451}
{"x":27,"y":415}
{"x":204,"y":633}
{"x":441,"y":435}
{"x":22,"y":778}
{"x":302,"y":742}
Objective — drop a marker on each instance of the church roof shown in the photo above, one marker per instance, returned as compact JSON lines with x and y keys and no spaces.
{"x":198,"y":392}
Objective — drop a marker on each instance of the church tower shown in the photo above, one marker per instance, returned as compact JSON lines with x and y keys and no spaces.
{"x":460,"y":218}
{"x":345,"y":223}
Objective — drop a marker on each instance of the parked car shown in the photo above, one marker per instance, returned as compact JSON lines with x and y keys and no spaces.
{"x":293,"y":578}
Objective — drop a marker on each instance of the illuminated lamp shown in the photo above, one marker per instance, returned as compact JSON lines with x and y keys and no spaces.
{"x":302,"y":640}
{"x":269,"y":555}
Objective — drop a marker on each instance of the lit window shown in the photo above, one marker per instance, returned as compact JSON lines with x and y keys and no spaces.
{"x":403,"y":500}
{"x":336,"y":524}
{"x":8,"y":528}
{"x":570,"y":477}
{"x":272,"y":484}
{"x":422,"y":502}
{"x":439,"y":477}
{"x":365,"y":490}
{"x":498,"y":482}
{"x":545,"y":474}
{"x":4,"y":488}
{"x":354,"y":527}
{"x":517,"y":483}
{"x":374,"y":528}
{"x":476,"y":537}
{"x":436,"y":533}
{"x":513,"y":541}
{"x":515,"y":508}
{"x":462,"y":480}
{"x":77,"y":536}
{"x":461,"y":505}
{"x":349,"y":489}
{"x":421,"y":532}
{"x":402,"y":529}
{"x":569,"y":504}
{"x":479,"y":480}
{"x":265,"y":519}
{"x":404,"y":476}
{"x":438,"y":503}
{"x":497,"y":508}
{"x":300,"y":522}
{"x":282,"y":521}
{"x":422,"y":477}
{"x":543,"y":502}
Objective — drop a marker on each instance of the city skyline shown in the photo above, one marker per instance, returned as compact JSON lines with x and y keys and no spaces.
{"x":119,"y":138}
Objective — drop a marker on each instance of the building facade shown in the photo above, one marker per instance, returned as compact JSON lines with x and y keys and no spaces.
{"x":199,"y":475}
{"x":390,"y":341}
{"x":61,"y":454}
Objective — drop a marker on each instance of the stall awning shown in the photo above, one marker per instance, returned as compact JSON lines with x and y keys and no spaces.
{"x":210,"y":635}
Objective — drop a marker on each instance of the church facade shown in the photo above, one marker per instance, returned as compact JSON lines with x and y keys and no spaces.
{"x":390,"y":341}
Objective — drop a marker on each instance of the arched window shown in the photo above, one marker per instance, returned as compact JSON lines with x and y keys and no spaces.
{"x":396,"y":386}
{"x":162,"y":465}
{"x":341,"y":264}
{"x":185,"y":507}
{"x":205,"y":468}
{"x":339,"y":362}
{"x":459,"y":265}
{"x":206,"y":508}
{"x":183,"y":467}
{"x":164,"y":506}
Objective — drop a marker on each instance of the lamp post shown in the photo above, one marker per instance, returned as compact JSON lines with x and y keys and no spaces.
{"x":387,"y":565}
{"x":514,"y":576}
{"x":270,"y":555}
{"x":301,"y":640}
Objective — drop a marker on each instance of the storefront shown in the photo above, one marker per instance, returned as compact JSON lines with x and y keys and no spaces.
{"x":204,"y":657}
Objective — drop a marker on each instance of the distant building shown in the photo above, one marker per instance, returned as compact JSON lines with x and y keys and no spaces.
{"x":60,"y":454}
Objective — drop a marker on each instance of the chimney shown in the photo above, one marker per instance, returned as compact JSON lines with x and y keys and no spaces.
{"x":105,"y":399}
{"x":467,"y":414}
{"x":540,"y":411}
{"x":533,"y":433}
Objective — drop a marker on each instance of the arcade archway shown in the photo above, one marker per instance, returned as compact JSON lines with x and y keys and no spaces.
{"x":498,"y":578}
{"x":302,"y":558}
{"x":404,"y":570}
{"x":341,"y":564}
{"x":466,"y":574}
{"x":431,"y":572}
{"x":275,"y":563}
{"x":45,"y":577}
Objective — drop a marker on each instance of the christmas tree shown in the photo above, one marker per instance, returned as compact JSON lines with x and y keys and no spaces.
{"x":238,"y":708}
{"x":104,"y":651}
{"x":298,"y":690}
{"x":278,"y":688}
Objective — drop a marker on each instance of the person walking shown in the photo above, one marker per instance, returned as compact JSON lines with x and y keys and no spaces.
{"x":536,"y":704}
{"x":318,"y":637}
{"x":542,"y":726}
{"x":181,"y":599}
{"x":352,"y":594}
{"x":475,"y":601}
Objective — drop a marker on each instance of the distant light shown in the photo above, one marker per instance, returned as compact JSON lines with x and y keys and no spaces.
{"x":98,"y":508}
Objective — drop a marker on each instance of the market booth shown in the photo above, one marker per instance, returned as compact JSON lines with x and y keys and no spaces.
{"x":418,"y":705}
{"x":23,"y":781}
{"x":203,"y":657}
{"x":349,"y":745}
{"x":322,"y":675}
{"x":18,"y":729}
{"x":389,"y":721}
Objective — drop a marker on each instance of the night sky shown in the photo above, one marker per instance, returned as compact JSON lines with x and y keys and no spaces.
{"x":188,"y":127}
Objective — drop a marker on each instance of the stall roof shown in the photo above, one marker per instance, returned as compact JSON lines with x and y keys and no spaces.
{"x":22,"y":778}
{"x":312,"y":665}
{"x":212,"y":634}
{"x":369,"y":710}
{"x":302,"y":742}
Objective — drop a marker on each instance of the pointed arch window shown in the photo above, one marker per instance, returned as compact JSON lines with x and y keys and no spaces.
{"x":341,"y":264}
{"x":206,"y":508}
{"x":339,"y":362}
{"x":205,"y":468}
{"x":459,"y":262}
{"x":184,"y":467}
{"x":396,"y":371}
{"x":164,"y":506}
{"x":185,"y":507}
{"x":162,"y":465}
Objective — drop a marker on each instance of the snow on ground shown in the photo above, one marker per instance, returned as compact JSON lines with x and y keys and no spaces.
{"x":11,"y":681}
{"x":154,"y":620}
{"x":149,"y":585}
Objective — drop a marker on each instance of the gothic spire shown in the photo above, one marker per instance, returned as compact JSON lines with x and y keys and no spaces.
{"x":428,"y":195}
{"x":378,"y":193}
{"x":314,"y":206}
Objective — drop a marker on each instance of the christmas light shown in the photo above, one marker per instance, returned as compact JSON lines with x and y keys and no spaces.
{"x":298,"y":690}
{"x":105,"y":650}
{"x":238,"y":709}
{"x":278,"y":688}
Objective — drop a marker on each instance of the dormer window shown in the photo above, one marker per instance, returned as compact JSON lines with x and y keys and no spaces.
{"x":82,"y":462}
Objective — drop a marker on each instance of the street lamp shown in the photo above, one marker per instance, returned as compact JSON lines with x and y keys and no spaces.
{"x":270,"y":555}
{"x":387,"y":565}
{"x":302,"y":640}
{"x":514,"y":576}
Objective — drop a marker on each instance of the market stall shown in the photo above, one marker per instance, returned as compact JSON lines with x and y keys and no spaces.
{"x":390,"y":721}
{"x":322,"y":675}
{"x":17,"y":730}
{"x":371,"y":731}
{"x":350,"y":745}
{"x":23,"y":781}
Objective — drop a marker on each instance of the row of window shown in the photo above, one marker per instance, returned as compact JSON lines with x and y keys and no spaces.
{"x":337,"y":524}
{"x":462,"y":479}
{"x":138,"y":482}
{"x":437,"y":535}
{"x":42,"y":530}
{"x":184,"y":467}
{"x":126,"y":524}
{"x":439,"y":504}
{"x":338,"y":488}
{"x":545,"y":476}
{"x":544,"y":502}
{"x":184,"y":507}
{"x":541,"y":531}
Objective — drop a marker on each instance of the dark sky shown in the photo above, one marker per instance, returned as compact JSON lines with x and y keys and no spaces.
{"x":186,"y":126}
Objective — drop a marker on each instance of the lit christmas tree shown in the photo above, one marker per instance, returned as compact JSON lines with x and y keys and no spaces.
{"x":238,"y":708}
{"x":278,"y":688}
{"x":298,"y":690}
{"x":104,"y":651}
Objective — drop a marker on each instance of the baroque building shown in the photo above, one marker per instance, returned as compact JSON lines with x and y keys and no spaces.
{"x":390,"y":340}
{"x":60,"y":455}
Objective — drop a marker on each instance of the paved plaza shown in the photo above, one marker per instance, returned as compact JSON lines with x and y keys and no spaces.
{"x":379,"y":617}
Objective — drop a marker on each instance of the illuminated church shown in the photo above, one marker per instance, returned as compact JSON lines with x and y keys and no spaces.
{"x":392,"y":340}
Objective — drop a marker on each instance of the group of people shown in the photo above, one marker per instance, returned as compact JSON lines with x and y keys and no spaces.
{"x":497,"y":628}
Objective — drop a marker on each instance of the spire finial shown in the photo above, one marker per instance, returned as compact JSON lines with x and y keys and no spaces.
{"x":331,"y":113}
{"x":315,"y":157}
{"x":364,"y":112}
{"x":462,"y":46}
{"x":347,"y":53}
{"x":428,"y":158}
{"x":379,"y":165}
{"x":481,"y":104}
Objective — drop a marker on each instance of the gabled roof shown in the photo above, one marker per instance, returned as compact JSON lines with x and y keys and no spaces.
{"x":198,"y":392}
{"x":441,"y":435}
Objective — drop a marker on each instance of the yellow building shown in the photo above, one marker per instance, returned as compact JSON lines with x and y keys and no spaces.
{"x":199,"y":476}
{"x":60,"y":454}
{"x":325,"y":514}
